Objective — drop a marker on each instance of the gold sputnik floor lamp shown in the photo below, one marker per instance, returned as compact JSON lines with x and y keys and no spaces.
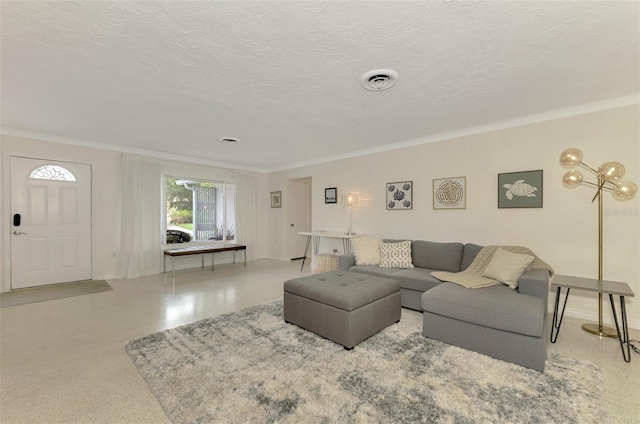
{"x":608,"y":175}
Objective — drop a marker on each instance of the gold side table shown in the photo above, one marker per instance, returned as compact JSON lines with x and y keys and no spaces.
{"x":612,"y":288}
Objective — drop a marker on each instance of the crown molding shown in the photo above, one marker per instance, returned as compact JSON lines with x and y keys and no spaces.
{"x":125,"y":149}
{"x":583,"y":109}
{"x":551,"y":115}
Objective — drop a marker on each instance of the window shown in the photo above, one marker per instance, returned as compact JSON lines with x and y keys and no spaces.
{"x":199,"y":210}
{"x":52,"y":172}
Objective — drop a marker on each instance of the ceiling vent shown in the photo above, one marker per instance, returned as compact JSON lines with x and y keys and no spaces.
{"x":379,"y":79}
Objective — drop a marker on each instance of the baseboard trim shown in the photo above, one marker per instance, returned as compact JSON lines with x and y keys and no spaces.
{"x":593,"y":317}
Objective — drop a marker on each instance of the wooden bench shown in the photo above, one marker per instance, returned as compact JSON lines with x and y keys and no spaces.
{"x":203,"y":250}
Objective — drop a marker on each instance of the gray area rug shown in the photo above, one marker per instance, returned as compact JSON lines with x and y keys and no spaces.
{"x":250,"y":366}
{"x":52,"y":292}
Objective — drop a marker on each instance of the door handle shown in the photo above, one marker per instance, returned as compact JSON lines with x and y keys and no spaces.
{"x":19,"y":233}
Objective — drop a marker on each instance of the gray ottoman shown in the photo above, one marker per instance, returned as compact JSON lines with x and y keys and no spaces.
{"x":342,"y":306}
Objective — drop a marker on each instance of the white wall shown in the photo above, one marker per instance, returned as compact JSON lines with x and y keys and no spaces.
{"x":106,"y":199}
{"x":564,"y":232}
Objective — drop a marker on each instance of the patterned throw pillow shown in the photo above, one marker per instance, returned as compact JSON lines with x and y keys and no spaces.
{"x":366,"y":250}
{"x":396,"y":255}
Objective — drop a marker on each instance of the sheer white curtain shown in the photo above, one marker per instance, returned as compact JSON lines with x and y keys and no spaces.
{"x":140,"y":238}
{"x":246,"y":211}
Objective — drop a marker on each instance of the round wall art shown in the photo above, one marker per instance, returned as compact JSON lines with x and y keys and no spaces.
{"x":450,"y":193}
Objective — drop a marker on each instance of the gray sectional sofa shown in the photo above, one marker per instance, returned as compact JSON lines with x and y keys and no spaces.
{"x":498,"y":321}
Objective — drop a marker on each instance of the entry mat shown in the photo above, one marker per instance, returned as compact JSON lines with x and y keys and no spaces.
{"x":52,"y":292}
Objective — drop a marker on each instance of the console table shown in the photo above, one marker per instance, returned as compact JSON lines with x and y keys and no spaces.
{"x":315,"y":236}
{"x":612,"y":288}
{"x":202,"y":250}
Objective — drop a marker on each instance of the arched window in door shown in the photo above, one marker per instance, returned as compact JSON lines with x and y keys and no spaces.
{"x":52,"y":172}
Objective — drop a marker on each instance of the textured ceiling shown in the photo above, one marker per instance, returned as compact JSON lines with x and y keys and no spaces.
{"x":283,"y":77}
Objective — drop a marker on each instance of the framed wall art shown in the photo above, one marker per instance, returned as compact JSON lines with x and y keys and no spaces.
{"x":450,"y":193}
{"x":331,"y":195}
{"x":520,"y":189}
{"x":400,"y":196}
{"x":276,"y":199}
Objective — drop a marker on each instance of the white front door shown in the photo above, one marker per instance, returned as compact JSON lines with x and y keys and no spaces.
{"x":50,"y":222}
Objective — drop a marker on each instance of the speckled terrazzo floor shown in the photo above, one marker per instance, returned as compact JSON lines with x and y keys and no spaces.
{"x":63,"y":361}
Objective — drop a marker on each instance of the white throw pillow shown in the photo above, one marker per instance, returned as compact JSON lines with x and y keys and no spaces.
{"x":396,"y":255}
{"x":366,"y":250}
{"x":507,"y":267}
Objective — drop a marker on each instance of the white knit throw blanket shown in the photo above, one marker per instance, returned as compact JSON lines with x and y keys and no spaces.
{"x":472,"y":278}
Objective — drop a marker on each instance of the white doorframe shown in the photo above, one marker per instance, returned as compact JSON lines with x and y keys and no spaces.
{"x":299,"y":195}
{"x":5,"y":213}
{"x":5,"y":228}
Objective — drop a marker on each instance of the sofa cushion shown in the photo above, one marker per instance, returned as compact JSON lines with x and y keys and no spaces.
{"x":374,"y":270}
{"x":496,"y":307}
{"x":419,"y":279}
{"x":394,"y":240}
{"x":469,"y":253}
{"x":507,"y":267}
{"x":396,"y":255}
{"x":366,"y":250}
{"x":435,"y":255}
{"x":346,"y":261}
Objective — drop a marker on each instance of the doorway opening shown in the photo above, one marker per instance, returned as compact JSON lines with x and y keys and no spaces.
{"x":299,"y":215}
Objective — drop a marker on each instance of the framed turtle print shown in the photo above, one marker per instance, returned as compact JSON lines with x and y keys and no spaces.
{"x":520,"y":189}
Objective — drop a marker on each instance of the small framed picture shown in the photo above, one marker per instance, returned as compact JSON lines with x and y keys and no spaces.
{"x":276,"y":199}
{"x":400,"y":196}
{"x":450,"y":193}
{"x":331,"y":195}
{"x":520,"y":189}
